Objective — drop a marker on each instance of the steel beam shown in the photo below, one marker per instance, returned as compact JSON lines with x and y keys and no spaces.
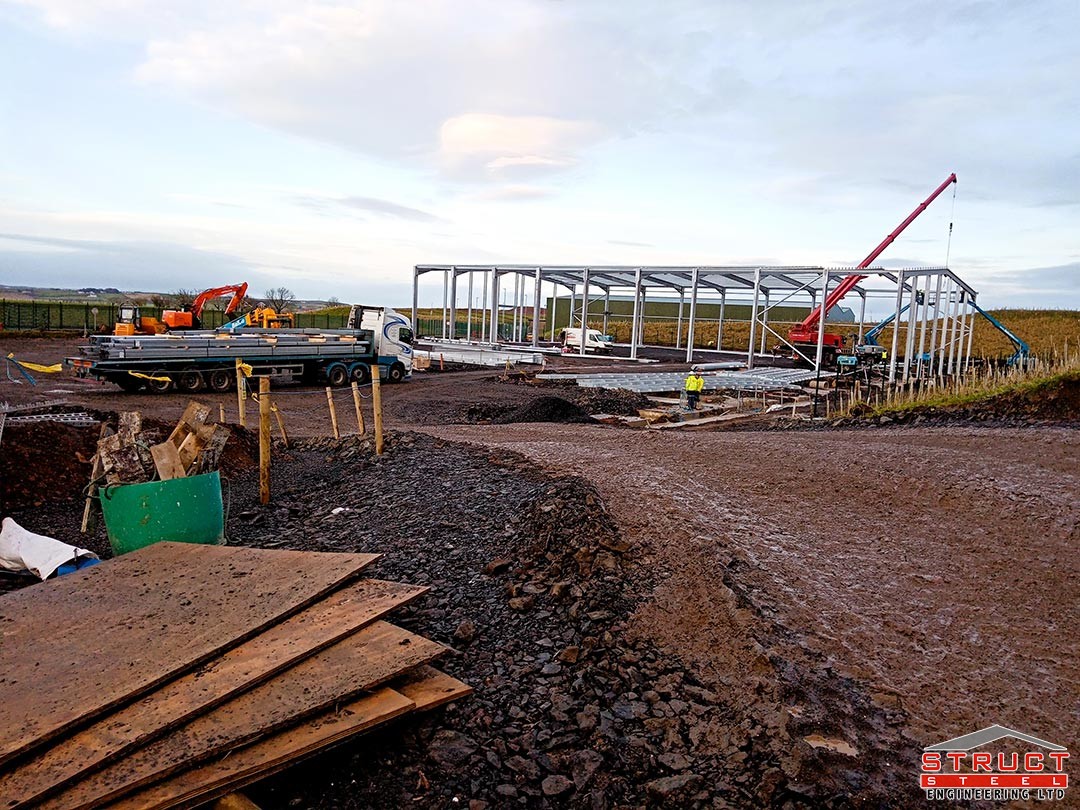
{"x":693,"y":315}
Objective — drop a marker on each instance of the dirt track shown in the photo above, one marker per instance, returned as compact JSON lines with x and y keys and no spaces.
{"x":883,"y":589}
{"x":937,"y":568}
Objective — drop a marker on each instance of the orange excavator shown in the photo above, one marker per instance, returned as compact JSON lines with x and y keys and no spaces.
{"x":192,"y":318}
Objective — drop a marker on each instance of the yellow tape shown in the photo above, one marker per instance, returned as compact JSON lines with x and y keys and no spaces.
{"x":53,"y":369}
{"x":149,"y":377}
{"x":245,"y":369}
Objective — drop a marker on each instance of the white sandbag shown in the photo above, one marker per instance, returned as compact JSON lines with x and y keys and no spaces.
{"x":21,"y":550}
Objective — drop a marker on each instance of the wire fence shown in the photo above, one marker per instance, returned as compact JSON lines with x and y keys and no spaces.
{"x":56,"y":316}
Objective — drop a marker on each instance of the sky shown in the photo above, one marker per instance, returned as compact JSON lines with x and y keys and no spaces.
{"x":330,"y":146}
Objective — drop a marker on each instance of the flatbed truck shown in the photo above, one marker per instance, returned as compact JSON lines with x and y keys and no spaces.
{"x":196,"y":361}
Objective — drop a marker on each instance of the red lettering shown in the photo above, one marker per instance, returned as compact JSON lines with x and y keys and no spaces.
{"x":1012,"y":764}
{"x":1059,"y":758}
{"x":1033,"y":761}
{"x":931,"y":761}
{"x":955,"y":757}
{"x":980,"y":761}
{"x":929,"y":781}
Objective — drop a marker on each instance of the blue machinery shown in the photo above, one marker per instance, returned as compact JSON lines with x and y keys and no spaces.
{"x":1018,"y":357}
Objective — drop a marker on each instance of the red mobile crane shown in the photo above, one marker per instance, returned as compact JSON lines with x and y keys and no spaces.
{"x":804,"y":336}
{"x":177,"y":319}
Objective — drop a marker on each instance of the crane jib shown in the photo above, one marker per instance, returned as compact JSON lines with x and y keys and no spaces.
{"x":847,"y":284}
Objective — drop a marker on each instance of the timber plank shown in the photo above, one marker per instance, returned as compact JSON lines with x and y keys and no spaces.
{"x":103,"y":635}
{"x":424,"y":688}
{"x":315,"y":628}
{"x":360,"y":662}
{"x":167,"y":461}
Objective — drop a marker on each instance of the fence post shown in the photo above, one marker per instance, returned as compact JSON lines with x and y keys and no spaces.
{"x":359,"y":413}
{"x":264,"y":440}
{"x":333,"y":413}
{"x":376,"y":401}
{"x":241,"y":393}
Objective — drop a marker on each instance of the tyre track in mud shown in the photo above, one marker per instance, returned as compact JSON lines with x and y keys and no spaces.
{"x":935,"y":567}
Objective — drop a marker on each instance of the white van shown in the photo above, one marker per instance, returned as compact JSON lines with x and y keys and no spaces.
{"x":595,"y":341}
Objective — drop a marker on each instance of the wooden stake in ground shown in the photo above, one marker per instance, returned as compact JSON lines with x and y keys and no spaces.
{"x":241,"y":392}
{"x":221,"y":412}
{"x":376,"y":402}
{"x":280,"y":424}
{"x":359,"y":413}
{"x":88,"y":515}
{"x":333,"y":413}
{"x":264,"y":440}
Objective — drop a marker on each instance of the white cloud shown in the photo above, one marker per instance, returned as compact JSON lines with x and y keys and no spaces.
{"x":478,"y":144}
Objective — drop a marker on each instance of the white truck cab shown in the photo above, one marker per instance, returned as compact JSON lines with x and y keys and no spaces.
{"x":595,"y":340}
{"x":393,"y":338}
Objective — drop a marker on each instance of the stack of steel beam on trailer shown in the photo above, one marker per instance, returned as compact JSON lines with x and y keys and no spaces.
{"x":178,"y":673}
{"x":207,"y":344}
{"x":759,"y":379}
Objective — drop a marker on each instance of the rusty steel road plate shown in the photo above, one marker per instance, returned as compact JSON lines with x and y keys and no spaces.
{"x":79,"y":645}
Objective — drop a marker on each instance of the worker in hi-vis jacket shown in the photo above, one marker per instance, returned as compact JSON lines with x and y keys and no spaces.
{"x":694,"y":383}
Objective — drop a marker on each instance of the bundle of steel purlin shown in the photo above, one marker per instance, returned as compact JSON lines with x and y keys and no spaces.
{"x":755,"y":380}
{"x":183,"y":672}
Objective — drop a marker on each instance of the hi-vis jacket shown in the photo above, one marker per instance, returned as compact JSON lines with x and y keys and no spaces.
{"x":695,"y":383}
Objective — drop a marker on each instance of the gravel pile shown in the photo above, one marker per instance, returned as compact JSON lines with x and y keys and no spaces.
{"x":532,"y":583}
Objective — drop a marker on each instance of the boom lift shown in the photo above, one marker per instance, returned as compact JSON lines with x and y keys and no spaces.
{"x":804,"y":336}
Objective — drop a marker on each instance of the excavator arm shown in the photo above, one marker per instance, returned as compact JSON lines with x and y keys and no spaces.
{"x":238,"y":292}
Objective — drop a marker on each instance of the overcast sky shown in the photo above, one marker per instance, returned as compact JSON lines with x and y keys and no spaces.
{"x":330,"y":146}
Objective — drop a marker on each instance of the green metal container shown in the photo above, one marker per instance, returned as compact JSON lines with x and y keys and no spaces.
{"x":184,"y":510}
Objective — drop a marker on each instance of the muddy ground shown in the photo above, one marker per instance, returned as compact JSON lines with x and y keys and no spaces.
{"x":679,"y":619}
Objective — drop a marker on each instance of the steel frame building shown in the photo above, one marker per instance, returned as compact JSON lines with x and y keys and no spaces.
{"x":933,"y":304}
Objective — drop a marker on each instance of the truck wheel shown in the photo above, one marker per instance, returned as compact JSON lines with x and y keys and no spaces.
{"x":396,"y":373}
{"x":337,"y":375}
{"x":160,"y":386}
{"x":127,"y":383}
{"x":220,"y":380}
{"x":361,"y":374}
{"x":190,"y":381}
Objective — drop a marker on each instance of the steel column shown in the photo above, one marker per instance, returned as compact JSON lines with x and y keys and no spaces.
{"x":896,"y":326}
{"x":954,"y":331}
{"x":720,"y":320}
{"x":971,"y":332}
{"x":483,"y":310}
{"x":554,"y":302}
{"x":536,"y":309}
{"x":584,"y":310}
{"x":468,"y":319}
{"x":517,"y":296}
{"x":753,"y":319}
{"x":634,"y":317}
{"x":445,"y":293}
{"x":909,"y":343}
{"x":607,"y":308}
{"x":923,"y":326}
{"x":821,"y":322}
{"x":415,"y":299}
{"x":862,"y":315}
{"x":693,"y":315}
{"x":494,"y":306}
{"x":937,"y":323}
{"x":453,"y":303}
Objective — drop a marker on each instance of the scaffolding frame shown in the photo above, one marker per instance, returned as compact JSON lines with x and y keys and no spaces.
{"x":924,"y":298}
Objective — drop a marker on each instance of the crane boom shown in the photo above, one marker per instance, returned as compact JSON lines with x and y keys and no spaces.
{"x":806,"y":332}
{"x":238,"y":292}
